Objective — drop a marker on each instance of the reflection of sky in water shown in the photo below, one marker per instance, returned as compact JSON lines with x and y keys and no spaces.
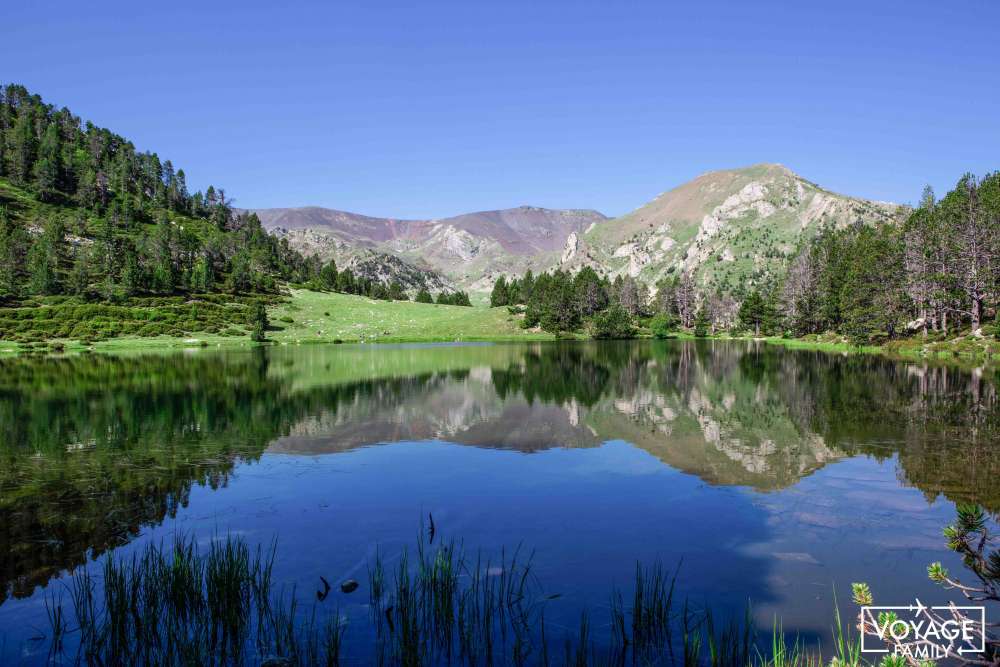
{"x":770,"y":477}
{"x":588,"y":515}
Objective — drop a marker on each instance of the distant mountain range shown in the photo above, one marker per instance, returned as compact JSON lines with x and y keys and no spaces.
{"x":467,"y":251}
{"x":724,"y":228}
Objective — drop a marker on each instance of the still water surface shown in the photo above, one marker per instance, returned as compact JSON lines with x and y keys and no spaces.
{"x":771,"y":476}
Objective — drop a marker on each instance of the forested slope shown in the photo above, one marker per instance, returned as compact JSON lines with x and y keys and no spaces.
{"x":99,"y":239}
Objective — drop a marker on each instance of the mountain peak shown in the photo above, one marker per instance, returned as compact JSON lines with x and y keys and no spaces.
{"x":757,"y":170}
{"x":726,"y":228}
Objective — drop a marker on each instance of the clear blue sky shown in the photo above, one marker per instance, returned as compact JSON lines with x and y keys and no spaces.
{"x":429,"y":109}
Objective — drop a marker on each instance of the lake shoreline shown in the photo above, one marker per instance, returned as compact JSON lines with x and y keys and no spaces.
{"x":309,"y":317}
{"x":949,"y":351}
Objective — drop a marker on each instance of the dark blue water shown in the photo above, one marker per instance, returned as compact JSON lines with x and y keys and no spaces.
{"x":767,"y":476}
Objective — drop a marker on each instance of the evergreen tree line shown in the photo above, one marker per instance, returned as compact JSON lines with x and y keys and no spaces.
{"x":116,"y":221}
{"x":564,"y":302}
{"x":114,"y":261}
{"x":458,"y":298}
{"x":938,"y":272}
{"x":64,"y":160}
{"x":328,"y":277}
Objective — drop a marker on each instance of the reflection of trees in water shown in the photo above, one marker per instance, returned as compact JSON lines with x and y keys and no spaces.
{"x":557,"y":374}
{"x":943,"y":422}
{"x":764,"y":415}
{"x":94,"y":448}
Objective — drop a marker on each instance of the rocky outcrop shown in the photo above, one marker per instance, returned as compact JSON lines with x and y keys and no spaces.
{"x":571,"y":248}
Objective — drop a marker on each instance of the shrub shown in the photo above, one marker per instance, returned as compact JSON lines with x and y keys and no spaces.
{"x":615,"y":322}
{"x":663,"y":325}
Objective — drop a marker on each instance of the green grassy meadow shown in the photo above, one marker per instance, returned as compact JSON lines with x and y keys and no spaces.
{"x":328,"y":317}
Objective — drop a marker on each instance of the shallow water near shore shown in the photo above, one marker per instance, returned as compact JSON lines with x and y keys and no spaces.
{"x":767,"y":475}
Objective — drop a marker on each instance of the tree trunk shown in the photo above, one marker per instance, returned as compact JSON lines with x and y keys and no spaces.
{"x":977,"y":311}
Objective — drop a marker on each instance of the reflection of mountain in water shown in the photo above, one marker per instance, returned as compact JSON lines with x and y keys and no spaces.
{"x":94,"y":448}
{"x":730,"y":413}
{"x":735,"y":431}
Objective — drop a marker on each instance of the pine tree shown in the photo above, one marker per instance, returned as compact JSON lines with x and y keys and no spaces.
{"x":499,"y":296}
{"x":23,"y":145}
{"x":873,"y":285}
{"x":78,"y":282}
{"x":328,"y":275}
{"x":424,"y":296}
{"x":613,"y":323}
{"x":753,"y":312}
{"x":591,"y":291}
{"x":132,"y":273}
{"x":13,"y":242}
{"x":202,"y":277}
{"x":527,"y":287}
{"x":164,"y":269}
{"x":972,"y":243}
{"x":108,"y":255}
{"x":663,"y":325}
{"x":240,"y":277}
{"x":259,"y":323}
{"x":44,"y":259}
{"x":48,"y":168}
{"x":396,"y":292}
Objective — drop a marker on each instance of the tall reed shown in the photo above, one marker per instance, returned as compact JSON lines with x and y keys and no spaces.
{"x":174,"y":605}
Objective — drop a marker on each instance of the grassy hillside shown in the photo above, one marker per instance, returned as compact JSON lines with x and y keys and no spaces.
{"x":326,"y":317}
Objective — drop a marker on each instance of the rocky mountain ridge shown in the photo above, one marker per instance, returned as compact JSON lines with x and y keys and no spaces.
{"x":724,"y":229}
{"x":468,"y":251}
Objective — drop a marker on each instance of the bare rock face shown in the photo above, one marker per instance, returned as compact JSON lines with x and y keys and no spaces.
{"x":572,"y":245}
